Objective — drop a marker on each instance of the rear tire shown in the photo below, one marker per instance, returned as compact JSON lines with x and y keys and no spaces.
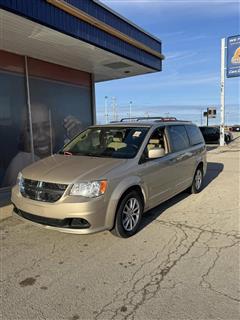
{"x":197,"y":181}
{"x":226,"y":139}
{"x":128,"y":215}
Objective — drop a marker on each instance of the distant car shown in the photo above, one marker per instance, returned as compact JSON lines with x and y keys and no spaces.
{"x":235,"y":128}
{"x":212,"y":134}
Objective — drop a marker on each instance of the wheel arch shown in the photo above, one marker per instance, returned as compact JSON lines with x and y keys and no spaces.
{"x":136,"y":188}
{"x":200,"y":165}
{"x":118,"y":194}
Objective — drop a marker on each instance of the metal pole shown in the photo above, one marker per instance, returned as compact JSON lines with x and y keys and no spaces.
{"x":207,"y":117}
{"x":114,"y":108}
{"x":50,"y":130}
{"x":106,"y":111}
{"x":29,"y":109}
{"x":222,"y":109}
{"x":93,"y":100}
{"x":130,"y":110}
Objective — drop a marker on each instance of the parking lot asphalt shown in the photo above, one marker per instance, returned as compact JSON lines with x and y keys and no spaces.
{"x":183,"y":264}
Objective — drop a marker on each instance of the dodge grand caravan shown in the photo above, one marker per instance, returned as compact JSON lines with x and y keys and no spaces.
{"x":108,"y":175}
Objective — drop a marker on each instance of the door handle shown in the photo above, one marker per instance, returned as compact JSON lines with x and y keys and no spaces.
{"x":175,"y":159}
{"x":188,"y":154}
{"x":184,"y":156}
{"x":179,"y":158}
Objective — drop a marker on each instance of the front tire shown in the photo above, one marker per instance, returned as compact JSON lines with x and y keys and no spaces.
{"x":128,"y":215}
{"x":197,"y":181}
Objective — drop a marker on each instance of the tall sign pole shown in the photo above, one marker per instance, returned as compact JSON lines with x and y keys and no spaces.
{"x":106,"y":109}
{"x":130,"y":110}
{"x":222,"y":109}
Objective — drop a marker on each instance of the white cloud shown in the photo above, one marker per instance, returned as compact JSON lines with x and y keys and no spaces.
{"x":219,"y":6}
{"x":179,"y":55}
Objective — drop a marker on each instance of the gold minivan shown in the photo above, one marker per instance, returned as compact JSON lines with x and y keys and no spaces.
{"x":108,"y":175}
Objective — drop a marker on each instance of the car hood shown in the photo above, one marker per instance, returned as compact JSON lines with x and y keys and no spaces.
{"x":68,"y":169}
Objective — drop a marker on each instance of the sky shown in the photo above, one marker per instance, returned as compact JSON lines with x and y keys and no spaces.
{"x":191,"y":32}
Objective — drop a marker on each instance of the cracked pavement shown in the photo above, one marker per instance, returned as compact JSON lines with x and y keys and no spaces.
{"x":183,"y":264}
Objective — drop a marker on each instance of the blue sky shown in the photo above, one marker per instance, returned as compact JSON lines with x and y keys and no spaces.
{"x":191,"y":33}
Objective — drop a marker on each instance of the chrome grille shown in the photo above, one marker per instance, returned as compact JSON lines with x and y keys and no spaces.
{"x":42,"y":191}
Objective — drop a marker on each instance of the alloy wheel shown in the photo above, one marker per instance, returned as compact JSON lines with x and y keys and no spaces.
{"x":198,"y":179}
{"x":130,"y":214}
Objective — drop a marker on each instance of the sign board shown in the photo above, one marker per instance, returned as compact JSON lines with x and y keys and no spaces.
{"x":233,"y":56}
{"x":212,"y":112}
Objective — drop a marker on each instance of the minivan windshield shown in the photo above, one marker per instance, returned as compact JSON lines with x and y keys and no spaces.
{"x":111,"y":142}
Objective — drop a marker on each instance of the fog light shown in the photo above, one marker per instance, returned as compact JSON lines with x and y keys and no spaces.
{"x":79,"y":223}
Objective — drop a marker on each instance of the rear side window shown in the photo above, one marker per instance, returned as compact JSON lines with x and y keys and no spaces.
{"x":194,"y":134}
{"x":178,"y":137}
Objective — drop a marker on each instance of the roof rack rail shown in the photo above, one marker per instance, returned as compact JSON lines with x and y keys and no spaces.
{"x":157,"y":119}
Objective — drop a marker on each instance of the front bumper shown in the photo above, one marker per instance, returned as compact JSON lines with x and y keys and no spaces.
{"x":60,"y":214}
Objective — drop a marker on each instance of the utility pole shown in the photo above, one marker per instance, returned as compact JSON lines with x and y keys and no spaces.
{"x":222,"y":109}
{"x":106,"y":109}
{"x":207,"y":115}
{"x":202,"y":110}
{"x":114,"y":108}
{"x":130,"y":110}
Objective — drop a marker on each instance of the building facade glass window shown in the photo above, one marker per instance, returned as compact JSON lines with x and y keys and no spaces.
{"x":13,"y":108}
{"x":61,"y":107}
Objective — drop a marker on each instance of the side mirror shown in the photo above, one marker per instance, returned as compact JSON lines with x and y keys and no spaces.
{"x":156,"y":153}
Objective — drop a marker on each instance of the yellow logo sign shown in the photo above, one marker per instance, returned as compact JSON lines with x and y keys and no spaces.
{"x":236,"y":57}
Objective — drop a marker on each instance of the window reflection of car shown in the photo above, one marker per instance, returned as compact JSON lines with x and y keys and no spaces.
{"x":107,"y":176}
{"x":212,"y":134}
{"x":235,"y":128}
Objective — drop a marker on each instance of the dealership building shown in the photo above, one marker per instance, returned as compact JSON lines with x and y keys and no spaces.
{"x":52,"y":52}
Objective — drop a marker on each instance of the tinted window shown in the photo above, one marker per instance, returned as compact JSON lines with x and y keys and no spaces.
{"x":203,"y":130}
{"x":194,"y":135}
{"x":178,"y":137}
{"x":212,"y":130}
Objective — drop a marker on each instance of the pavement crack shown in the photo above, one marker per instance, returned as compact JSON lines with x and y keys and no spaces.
{"x":231,"y":234}
{"x":162,"y":273}
{"x":146,"y":286}
{"x":205,"y":283}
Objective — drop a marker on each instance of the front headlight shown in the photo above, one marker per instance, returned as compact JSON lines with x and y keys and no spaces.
{"x":19,"y":181}
{"x":89,"y":189}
